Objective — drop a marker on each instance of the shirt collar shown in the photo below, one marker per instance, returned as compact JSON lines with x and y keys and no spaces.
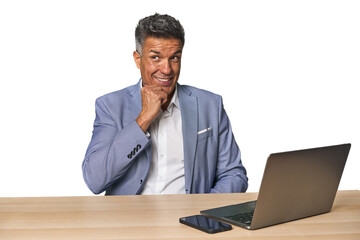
{"x":174,"y":101}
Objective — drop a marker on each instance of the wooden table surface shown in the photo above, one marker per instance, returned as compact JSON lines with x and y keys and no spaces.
{"x":157,"y":217}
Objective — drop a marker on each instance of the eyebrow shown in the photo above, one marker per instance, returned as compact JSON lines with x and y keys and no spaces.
{"x":177,"y":52}
{"x":155,"y":51}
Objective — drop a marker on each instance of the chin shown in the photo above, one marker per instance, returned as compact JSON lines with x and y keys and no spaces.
{"x":169,"y":89}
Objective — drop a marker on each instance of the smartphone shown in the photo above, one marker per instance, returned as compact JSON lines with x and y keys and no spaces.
{"x":205,"y":224}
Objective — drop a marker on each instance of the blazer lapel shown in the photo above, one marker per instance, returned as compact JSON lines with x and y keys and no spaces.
{"x":189,"y":117}
{"x":135,"y":93}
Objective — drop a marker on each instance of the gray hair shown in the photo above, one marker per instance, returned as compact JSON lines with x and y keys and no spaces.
{"x":158,"y":26}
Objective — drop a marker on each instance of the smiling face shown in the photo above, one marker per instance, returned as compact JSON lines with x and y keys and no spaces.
{"x":160,"y":63}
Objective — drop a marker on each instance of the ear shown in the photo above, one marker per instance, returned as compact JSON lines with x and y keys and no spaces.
{"x":137,"y":59}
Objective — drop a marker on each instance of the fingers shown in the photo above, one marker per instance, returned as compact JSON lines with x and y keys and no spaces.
{"x":163,"y":95}
{"x":155,"y":92}
{"x":163,"y":101}
{"x":152,"y":99}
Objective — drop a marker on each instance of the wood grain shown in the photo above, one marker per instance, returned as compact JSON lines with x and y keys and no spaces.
{"x":157,"y":217}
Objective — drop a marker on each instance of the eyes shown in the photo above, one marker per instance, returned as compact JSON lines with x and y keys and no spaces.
{"x":175,"y":58}
{"x":156,"y":58}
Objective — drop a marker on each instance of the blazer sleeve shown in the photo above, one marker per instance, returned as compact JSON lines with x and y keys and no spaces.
{"x":230,"y":172}
{"x":112,"y":150}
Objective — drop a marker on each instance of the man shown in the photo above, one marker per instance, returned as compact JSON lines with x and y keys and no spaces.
{"x":160,"y":137}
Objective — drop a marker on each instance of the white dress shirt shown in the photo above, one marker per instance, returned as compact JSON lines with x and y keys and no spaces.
{"x":167,"y":175}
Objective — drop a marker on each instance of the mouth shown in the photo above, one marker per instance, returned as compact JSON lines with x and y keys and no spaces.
{"x":164,"y":81}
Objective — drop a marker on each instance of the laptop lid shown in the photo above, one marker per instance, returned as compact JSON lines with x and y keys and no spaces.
{"x":295,"y":185}
{"x":299,"y":184}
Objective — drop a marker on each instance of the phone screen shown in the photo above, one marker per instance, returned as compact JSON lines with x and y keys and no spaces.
{"x":205,"y":224}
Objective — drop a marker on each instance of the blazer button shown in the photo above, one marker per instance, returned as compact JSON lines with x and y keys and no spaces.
{"x":138,"y":146}
{"x":129,"y":156}
{"x":136,"y":150}
{"x":133,"y":153}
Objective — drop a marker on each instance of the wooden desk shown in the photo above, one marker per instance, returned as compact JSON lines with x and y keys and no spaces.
{"x":156,"y":217}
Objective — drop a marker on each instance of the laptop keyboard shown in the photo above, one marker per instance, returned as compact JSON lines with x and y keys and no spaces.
{"x":242,"y":217}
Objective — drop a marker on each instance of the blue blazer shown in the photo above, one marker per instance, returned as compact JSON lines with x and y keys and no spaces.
{"x":119,"y":155}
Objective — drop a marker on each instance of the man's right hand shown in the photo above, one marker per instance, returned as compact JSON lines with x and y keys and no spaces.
{"x":152,"y":98}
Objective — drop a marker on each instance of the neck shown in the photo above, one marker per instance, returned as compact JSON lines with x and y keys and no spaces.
{"x":166,"y":105}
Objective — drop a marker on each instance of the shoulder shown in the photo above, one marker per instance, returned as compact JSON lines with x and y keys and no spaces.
{"x":119,"y":95}
{"x":201,"y":94}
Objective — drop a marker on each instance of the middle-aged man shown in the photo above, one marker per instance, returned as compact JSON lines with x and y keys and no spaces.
{"x":160,"y":137}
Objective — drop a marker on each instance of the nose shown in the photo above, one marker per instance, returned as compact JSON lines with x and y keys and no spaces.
{"x":166,"y":68}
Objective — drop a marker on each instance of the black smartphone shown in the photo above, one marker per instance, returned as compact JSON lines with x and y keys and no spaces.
{"x":205,"y":224}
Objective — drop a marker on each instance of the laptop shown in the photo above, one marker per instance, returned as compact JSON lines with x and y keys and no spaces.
{"x":295,"y":185}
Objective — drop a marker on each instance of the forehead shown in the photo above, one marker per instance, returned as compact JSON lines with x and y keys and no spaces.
{"x":162,"y":45}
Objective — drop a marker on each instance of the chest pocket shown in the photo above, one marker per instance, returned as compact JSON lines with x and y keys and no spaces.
{"x":204,"y":134}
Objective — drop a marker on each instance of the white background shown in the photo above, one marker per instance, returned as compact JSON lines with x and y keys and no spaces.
{"x":287,"y":70}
